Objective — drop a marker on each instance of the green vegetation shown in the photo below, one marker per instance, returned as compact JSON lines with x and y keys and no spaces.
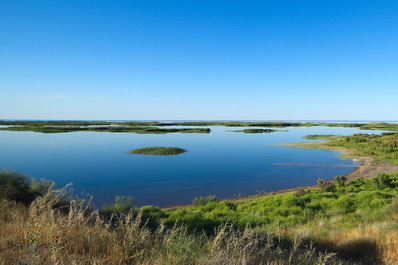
{"x":157,"y":150}
{"x":54,"y":123}
{"x":252,"y":124}
{"x":152,"y":126}
{"x":220,"y":123}
{"x":379,"y":147}
{"x":20,"y":188}
{"x":255,"y":131}
{"x":42,"y":234}
{"x":382,"y":147}
{"x":338,"y":223}
{"x":362,"y":126}
{"x":319,"y":136}
{"x":345,"y":203}
{"x":380,"y":126}
{"x":201,"y":201}
{"x":120,"y":129}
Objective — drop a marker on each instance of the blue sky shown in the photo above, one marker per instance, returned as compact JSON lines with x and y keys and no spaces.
{"x":207,"y":60}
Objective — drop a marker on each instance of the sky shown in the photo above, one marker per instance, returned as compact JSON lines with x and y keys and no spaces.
{"x":199,"y":60}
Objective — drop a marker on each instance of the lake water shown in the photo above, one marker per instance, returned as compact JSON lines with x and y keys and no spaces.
{"x":222,"y":163}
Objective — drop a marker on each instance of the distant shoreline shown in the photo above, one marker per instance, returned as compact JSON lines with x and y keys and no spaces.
{"x":154,"y":126}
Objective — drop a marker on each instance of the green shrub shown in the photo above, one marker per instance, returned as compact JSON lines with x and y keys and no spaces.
{"x":40,"y":187}
{"x":325,"y":185}
{"x":204,"y":200}
{"x":383,"y":181}
{"x":341,"y":180}
{"x":122,"y":205}
{"x":15,"y":187}
{"x":300,"y":192}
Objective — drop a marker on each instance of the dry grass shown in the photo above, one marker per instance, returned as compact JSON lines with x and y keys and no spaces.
{"x":43,"y":234}
{"x":375,"y":243}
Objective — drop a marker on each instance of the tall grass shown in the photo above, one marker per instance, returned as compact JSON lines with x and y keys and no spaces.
{"x":45,"y":234}
{"x":53,"y":230}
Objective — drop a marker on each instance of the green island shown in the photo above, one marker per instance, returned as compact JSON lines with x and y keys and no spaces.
{"x":255,"y":131}
{"x":157,"y":150}
{"x":341,"y":221}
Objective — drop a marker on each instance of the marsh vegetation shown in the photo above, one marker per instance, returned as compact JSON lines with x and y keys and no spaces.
{"x":157,"y":150}
{"x":255,"y":131}
{"x":379,"y":147}
{"x":115,"y":129}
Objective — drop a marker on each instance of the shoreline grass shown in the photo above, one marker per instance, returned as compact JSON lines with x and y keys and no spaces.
{"x":323,"y":144}
{"x":158,"y":150}
{"x":374,"y":147}
{"x":340,"y":223}
{"x":319,"y":137}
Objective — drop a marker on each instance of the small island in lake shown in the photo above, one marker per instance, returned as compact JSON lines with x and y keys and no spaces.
{"x":254,"y":131}
{"x":157,"y":150}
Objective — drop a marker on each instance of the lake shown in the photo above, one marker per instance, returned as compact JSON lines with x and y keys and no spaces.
{"x":222,"y":163}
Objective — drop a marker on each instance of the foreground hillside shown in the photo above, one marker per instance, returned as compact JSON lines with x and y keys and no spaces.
{"x":342,"y":223}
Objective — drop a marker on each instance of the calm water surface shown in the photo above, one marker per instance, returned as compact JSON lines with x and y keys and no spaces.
{"x":221,"y":163}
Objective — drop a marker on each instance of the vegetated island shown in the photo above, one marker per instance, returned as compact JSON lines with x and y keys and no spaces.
{"x":255,"y":131}
{"x":158,"y":150}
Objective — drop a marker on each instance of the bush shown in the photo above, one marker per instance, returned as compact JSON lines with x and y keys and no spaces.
{"x":341,"y":180}
{"x":325,"y":186}
{"x":122,"y":205}
{"x":15,"y":187}
{"x":40,"y":187}
{"x":383,"y":181}
{"x":201,"y":201}
{"x":300,"y":192}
